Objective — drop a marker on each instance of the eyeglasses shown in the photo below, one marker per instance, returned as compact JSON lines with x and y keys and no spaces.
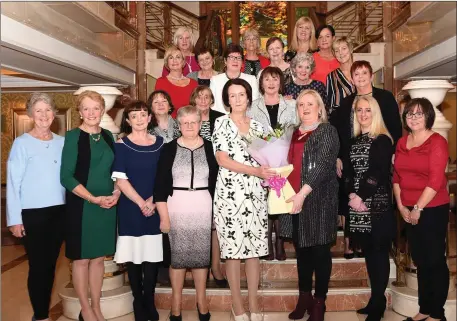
{"x":191,"y":123}
{"x":417,"y":115}
{"x":234,"y":58}
{"x":251,"y":39}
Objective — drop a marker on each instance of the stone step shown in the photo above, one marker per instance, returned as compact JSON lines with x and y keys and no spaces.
{"x":279,"y":296}
{"x":337,"y":247}
{"x":113,"y":303}
{"x":342,"y":269}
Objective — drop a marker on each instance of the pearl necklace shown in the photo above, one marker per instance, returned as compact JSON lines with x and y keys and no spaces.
{"x":193,"y":147}
{"x":92,"y":135}
{"x":175,"y":78}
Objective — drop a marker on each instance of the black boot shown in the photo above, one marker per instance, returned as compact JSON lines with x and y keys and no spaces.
{"x":376,"y":309}
{"x":150,"y":272}
{"x":135,"y":274}
{"x":304,"y":303}
{"x":366,"y":309}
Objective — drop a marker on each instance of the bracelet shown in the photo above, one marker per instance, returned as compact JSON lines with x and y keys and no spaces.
{"x":88,"y":199}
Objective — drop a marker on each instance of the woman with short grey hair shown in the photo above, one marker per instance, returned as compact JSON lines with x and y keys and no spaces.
{"x":186,"y":173}
{"x":302,"y":66}
{"x":35,"y":199}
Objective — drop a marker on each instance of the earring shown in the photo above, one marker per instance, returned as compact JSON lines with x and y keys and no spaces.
{"x":81,"y":117}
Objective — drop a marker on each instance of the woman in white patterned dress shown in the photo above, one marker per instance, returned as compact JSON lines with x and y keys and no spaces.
{"x":240,"y":206}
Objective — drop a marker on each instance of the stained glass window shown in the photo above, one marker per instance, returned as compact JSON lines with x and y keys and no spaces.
{"x":268,"y":18}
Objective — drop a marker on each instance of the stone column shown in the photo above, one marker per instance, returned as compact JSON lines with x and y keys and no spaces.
{"x":435,"y":91}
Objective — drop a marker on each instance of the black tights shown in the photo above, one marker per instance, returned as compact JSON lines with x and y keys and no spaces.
{"x":143,"y":279}
{"x":317,"y":259}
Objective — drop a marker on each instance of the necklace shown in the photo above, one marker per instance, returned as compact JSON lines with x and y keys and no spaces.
{"x":365,"y":94}
{"x":193,"y":147}
{"x":175,"y":78}
{"x":95,"y":137}
{"x":310,"y":127}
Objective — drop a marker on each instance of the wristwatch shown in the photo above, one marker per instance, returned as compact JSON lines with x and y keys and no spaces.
{"x":417,"y":208}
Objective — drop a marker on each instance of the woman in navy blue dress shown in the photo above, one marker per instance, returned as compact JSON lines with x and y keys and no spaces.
{"x":140,"y":241}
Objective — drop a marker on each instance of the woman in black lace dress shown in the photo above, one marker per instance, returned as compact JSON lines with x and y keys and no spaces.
{"x":368,"y":184}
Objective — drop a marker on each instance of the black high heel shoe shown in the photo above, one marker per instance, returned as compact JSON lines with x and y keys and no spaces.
{"x":203,"y":317}
{"x":175,"y":317}
{"x":80,"y":317}
{"x":411,"y":319}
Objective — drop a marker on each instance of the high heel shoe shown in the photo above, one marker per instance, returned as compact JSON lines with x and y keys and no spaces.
{"x":80,"y":317}
{"x":256,"y":316}
{"x":175,"y":317}
{"x":411,"y":319}
{"x":203,"y":317}
{"x":243,"y":317}
{"x":349,"y":256}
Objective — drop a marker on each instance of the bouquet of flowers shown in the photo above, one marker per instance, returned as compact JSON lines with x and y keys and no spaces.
{"x":271,"y":150}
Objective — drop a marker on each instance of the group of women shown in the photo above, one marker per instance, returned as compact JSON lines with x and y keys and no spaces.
{"x":182,"y":168}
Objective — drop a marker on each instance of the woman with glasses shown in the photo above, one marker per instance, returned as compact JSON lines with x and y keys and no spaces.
{"x":423,"y":200}
{"x":186,"y":173}
{"x":253,"y":62}
{"x":233,"y":58}
{"x":303,"y":40}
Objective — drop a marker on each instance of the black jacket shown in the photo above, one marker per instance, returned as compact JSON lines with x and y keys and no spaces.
{"x":390,"y":114}
{"x":164,"y":177}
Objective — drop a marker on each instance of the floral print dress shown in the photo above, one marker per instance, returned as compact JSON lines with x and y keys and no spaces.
{"x":240,"y":201}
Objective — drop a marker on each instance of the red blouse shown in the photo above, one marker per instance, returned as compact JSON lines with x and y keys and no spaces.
{"x":323,"y":68}
{"x":422,"y":166}
{"x":297,"y":146}
{"x":180,"y":96}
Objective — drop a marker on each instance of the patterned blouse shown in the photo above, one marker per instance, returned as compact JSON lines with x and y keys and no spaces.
{"x":172,"y":131}
{"x":294,"y":90}
{"x":252,"y":67}
{"x":205,"y":130}
{"x":338,"y":87}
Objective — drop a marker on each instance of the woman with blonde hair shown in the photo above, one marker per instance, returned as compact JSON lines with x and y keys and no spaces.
{"x":368,"y":183}
{"x":313,"y":225}
{"x":253,"y":62}
{"x":303,"y":40}
{"x":90,"y":212}
{"x":175,"y":83}
{"x":183,"y":39}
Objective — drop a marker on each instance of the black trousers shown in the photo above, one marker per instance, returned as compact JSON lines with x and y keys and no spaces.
{"x":378,"y":268}
{"x":427,"y":242}
{"x":318,"y":260}
{"x":42,"y":241}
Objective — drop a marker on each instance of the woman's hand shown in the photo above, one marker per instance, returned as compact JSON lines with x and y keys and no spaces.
{"x":405,"y":213}
{"x":150,"y":205}
{"x":145,"y":208}
{"x":339,"y":167}
{"x":265,"y":172}
{"x":356,"y":203}
{"x":165,"y":225}
{"x":415,"y":216}
{"x":297,"y":200}
{"x":110,"y":201}
{"x":18,"y":230}
{"x":98,"y":200}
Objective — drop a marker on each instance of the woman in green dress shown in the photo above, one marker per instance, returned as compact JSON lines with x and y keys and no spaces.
{"x":90,"y":216}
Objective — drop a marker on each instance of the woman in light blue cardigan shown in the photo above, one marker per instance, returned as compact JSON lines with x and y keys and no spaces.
{"x":272,"y":109}
{"x":35,"y":199}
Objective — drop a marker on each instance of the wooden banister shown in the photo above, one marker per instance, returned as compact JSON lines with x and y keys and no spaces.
{"x":340,"y":8}
{"x":182,"y":10}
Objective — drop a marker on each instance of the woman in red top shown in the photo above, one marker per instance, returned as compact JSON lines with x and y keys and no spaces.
{"x":423,"y":201}
{"x":324,"y":58}
{"x":175,"y":83}
{"x":253,"y":62}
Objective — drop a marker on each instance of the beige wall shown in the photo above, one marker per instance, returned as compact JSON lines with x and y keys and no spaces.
{"x":448,"y":108}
